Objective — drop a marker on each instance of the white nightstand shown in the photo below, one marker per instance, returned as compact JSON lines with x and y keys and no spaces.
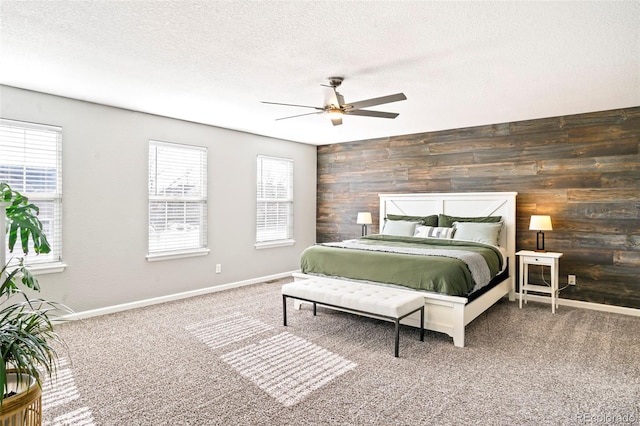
{"x":547,"y":258}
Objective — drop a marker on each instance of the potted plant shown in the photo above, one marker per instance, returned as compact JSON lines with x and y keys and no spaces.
{"x":27,"y":338}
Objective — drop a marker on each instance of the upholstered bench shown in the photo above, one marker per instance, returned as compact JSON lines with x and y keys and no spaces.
{"x":370,"y":299}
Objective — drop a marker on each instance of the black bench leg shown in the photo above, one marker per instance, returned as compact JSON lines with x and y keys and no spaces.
{"x":314,"y":309}
{"x":284,"y":310}
{"x":397,"y":337}
{"x":422,"y":324}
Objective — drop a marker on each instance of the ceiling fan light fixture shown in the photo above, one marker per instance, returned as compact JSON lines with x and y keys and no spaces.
{"x":335,"y":113}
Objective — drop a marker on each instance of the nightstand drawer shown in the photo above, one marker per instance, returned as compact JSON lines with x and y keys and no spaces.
{"x":538,"y":260}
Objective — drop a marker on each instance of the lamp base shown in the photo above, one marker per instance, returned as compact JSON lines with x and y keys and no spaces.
{"x":540,"y":242}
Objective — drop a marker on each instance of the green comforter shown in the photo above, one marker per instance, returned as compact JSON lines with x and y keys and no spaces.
{"x":431,"y":273}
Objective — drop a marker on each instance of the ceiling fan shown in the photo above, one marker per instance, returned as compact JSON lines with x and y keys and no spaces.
{"x":335,"y":106}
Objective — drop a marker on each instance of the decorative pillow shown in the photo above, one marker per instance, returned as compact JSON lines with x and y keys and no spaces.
{"x":423,"y":220}
{"x":401,"y":228}
{"x":433,"y":232}
{"x":487,"y":233}
{"x":444,"y":220}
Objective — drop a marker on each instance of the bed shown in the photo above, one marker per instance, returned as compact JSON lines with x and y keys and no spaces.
{"x":467,"y":291}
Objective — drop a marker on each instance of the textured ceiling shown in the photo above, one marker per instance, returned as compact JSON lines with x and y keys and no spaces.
{"x":460,"y":64}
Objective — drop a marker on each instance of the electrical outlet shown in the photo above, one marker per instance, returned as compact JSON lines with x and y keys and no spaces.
{"x":571,"y":280}
{"x":218,"y":268}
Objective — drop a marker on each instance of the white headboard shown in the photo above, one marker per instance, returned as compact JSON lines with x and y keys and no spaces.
{"x":466,"y":204}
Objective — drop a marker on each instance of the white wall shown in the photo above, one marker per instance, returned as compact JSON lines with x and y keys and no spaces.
{"x":105,"y":156}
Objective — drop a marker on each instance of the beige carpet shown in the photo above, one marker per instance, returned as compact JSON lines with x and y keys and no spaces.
{"x":225,"y":358}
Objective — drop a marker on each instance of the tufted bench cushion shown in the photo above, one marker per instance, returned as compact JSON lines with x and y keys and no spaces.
{"x":372,"y":299}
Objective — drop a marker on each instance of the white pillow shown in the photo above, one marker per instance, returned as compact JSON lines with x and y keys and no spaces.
{"x":433,"y":232}
{"x":401,"y":228}
{"x":487,"y":233}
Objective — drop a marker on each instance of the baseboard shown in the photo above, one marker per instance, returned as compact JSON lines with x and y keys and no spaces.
{"x":172,"y":297}
{"x":584,"y":305}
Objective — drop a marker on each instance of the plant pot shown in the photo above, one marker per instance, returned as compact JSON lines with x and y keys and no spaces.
{"x":25,"y":407}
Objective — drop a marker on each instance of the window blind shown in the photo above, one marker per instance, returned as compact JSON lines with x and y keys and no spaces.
{"x":177,"y":197}
{"x":275,"y":199}
{"x":31,"y":163}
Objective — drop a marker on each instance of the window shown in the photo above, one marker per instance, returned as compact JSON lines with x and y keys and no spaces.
{"x":177,"y":200}
{"x":31,"y":163}
{"x":274,"y":224}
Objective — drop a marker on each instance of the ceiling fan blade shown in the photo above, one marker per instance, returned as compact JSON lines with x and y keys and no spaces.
{"x":376,"y":101}
{"x":294,"y":105}
{"x":330,"y":96}
{"x":299,"y":115}
{"x":366,"y":113}
{"x":336,"y":121}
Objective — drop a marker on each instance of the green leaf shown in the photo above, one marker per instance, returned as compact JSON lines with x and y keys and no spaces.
{"x":13,"y":235}
{"x":24,"y":239}
{"x":29,"y":280}
{"x":22,"y":218}
{"x":8,"y":285}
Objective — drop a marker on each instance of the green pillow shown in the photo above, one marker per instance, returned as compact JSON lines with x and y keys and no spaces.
{"x":423,"y":220}
{"x":447,"y":221}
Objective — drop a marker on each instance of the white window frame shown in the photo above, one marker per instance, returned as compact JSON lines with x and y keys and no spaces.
{"x":180,"y":241}
{"x":25,"y":145}
{"x":280,"y":236}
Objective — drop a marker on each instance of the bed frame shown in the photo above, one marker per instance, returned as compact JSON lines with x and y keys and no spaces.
{"x":451,"y":314}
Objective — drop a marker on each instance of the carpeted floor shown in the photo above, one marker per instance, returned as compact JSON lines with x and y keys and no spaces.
{"x":225,"y":358}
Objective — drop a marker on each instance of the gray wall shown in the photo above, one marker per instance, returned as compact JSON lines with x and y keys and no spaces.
{"x":105,"y":156}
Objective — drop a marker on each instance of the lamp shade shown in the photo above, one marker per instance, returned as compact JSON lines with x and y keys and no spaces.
{"x":364,"y":218}
{"x":540,"y":223}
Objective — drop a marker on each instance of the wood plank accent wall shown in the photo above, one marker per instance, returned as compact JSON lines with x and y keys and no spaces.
{"x":583,"y":170}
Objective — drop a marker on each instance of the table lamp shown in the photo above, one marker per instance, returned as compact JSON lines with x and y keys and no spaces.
{"x":540,"y":223}
{"x":364,"y":219}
